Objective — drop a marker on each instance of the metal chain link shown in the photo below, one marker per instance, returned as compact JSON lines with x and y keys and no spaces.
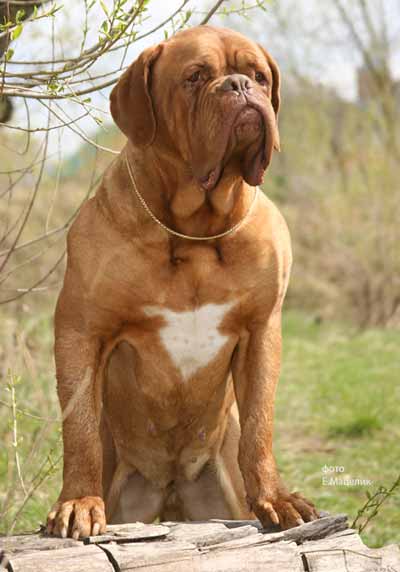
{"x":174,"y":232}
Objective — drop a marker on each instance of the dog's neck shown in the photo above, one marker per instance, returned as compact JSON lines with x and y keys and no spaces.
{"x":167,"y":185}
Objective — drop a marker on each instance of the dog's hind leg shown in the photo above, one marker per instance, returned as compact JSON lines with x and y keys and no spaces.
{"x":133,"y":498}
{"x":172,"y":509}
{"x":218,"y":491}
{"x":129,"y":496}
{"x":109,"y":456}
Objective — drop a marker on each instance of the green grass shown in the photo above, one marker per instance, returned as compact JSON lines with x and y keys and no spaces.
{"x":363,"y":424}
{"x":26,"y":366}
{"x":337,"y":406}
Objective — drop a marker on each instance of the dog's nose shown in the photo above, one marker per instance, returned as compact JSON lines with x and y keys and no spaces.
{"x":236,"y":82}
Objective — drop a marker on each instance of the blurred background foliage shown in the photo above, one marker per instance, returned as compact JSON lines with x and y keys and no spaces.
{"x":337,"y":182}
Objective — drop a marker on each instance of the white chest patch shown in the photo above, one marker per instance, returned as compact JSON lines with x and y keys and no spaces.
{"x":192,"y":339}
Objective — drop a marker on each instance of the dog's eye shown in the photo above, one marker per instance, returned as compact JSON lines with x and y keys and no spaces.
{"x":194,"y":77}
{"x":260,"y":78}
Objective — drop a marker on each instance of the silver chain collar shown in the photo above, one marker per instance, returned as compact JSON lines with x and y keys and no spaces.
{"x":234,"y":228}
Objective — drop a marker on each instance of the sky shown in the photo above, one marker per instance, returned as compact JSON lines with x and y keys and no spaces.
{"x":305,"y":35}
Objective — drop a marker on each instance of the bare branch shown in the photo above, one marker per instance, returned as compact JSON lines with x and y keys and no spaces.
{"x":211,"y":12}
{"x":52,"y":81}
{"x":24,"y":291}
{"x":41,"y":129}
{"x":30,"y":206}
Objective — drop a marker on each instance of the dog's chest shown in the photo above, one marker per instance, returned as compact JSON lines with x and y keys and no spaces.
{"x":194,"y":338}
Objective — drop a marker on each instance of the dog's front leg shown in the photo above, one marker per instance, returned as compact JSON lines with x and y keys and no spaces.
{"x":255,"y":368}
{"x":79,"y":510}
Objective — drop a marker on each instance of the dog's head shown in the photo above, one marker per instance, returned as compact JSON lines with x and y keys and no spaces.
{"x":211,"y":95}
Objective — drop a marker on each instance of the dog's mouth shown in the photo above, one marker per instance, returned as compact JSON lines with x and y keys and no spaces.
{"x":246,"y":141}
{"x":210,"y":181}
{"x":247,"y":124}
{"x":250,"y":133}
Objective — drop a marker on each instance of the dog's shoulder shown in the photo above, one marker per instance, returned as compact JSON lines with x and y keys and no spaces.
{"x":83,"y":227}
{"x":274,"y":259}
{"x":273,"y":228}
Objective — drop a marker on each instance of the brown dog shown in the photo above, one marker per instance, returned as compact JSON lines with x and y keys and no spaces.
{"x":164,"y":344}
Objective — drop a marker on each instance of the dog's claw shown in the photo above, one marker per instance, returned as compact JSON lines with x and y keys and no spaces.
{"x":287,"y":510}
{"x":77,"y":518}
{"x":271,"y":513}
{"x":63,"y":532}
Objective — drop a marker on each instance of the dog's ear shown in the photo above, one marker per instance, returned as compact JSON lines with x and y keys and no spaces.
{"x":131,"y":103}
{"x":275,"y":89}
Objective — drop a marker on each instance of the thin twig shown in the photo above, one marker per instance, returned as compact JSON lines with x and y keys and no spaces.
{"x":41,"y":129}
{"x":372,"y":505}
{"x":33,"y":288}
{"x":211,"y":12}
{"x":11,"y":385}
{"x":26,"y":413}
{"x":30,"y":205}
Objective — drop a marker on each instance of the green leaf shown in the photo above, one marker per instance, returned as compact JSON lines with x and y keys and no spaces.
{"x":16,"y":32}
{"x":19,"y":16}
{"x":9,"y":54}
{"x":105,"y":10}
{"x":55,"y":10}
{"x":35,"y":12}
{"x":52,"y":84}
{"x":165,"y":34}
{"x":4,"y":27}
{"x":105,"y":26}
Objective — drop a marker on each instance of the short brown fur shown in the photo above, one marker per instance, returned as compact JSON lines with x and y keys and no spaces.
{"x":140,"y":441}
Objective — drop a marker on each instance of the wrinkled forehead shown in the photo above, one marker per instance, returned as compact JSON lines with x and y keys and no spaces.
{"x":217,"y":49}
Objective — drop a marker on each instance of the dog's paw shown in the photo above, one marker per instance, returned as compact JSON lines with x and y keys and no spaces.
{"x":285,"y":509}
{"x":77,"y":518}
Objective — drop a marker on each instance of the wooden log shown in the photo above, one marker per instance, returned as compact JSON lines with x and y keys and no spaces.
{"x":346,"y":551}
{"x":320,"y":528}
{"x":168,"y":556}
{"x":172,"y":556}
{"x":282,"y":557}
{"x":129,"y":533}
{"x":326,"y":545}
{"x":28,"y":543}
{"x":78,"y":559}
{"x":208,"y":533}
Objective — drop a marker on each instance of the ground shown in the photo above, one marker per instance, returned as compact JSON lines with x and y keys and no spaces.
{"x":336,"y":417}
